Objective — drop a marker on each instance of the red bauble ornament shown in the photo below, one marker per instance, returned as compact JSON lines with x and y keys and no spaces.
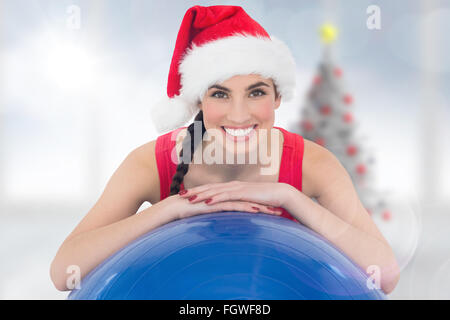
{"x":351,"y":150}
{"x":320,"y":141}
{"x":317,"y":80}
{"x":387,"y":215}
{"x":361,"y":169}
{"x":307,"y":125}
{"x":338,"y":72}
{"x":348,"y":99}
{"x":325,"y":110}
{"x":348,"y":117}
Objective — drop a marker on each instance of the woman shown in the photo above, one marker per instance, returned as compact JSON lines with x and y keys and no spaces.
{"x":228,"y":72}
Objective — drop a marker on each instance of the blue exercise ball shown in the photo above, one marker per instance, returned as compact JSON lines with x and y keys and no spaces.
{"x":228,"y":256}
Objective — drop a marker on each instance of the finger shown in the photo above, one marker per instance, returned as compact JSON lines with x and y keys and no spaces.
{"x":244,"y":206}
{"x":225,"y":192}
{"x":234,"y":194}
{"x":269,"y":210}
{"x":237,"y":206}
{"x":222,"y":196}
{"x":249,"y":206}
{"x":232,"y":206}
{"x":186,"y":193}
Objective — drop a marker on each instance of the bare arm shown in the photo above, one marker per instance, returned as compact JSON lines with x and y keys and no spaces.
{"x":112,"y":222}
{"x":340,"y":217}
{"x":86,"y":250}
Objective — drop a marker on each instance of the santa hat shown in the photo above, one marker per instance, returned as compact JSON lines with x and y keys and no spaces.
{"x":214,"y":44}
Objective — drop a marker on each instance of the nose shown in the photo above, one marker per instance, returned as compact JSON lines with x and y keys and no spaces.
{"x":239,"y":113}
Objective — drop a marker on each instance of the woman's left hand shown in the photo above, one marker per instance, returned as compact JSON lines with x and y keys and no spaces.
{"x":271,"y":194}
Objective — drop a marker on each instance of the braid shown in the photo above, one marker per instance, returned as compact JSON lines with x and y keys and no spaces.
{"x":182,"y":167}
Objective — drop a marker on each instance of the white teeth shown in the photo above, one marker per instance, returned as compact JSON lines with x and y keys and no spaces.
{"x":239,"y":132}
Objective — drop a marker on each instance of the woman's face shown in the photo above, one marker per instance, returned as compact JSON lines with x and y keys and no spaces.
{"x":241,"y":102}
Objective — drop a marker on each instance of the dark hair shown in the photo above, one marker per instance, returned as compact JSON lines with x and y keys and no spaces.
{"x":189,"y":142}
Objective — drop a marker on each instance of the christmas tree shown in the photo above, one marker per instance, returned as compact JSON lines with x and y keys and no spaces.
{"x":327,"y":118}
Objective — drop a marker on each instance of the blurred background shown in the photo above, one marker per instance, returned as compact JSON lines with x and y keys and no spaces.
{"x":77,"y":79}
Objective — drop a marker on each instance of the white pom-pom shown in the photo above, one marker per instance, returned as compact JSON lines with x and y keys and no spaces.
{"x":171,"y":113}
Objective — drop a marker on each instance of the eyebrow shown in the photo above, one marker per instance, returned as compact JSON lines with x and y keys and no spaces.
{"x":255,"y":85}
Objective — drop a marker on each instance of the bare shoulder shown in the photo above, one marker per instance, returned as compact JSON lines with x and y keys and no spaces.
{"x":315,"y":159}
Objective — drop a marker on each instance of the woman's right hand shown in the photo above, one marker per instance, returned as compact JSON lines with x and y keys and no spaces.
{"x":181,"y":208}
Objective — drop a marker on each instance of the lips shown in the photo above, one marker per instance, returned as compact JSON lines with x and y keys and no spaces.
{"x":239,"y":134}
{"x":233,"y":127}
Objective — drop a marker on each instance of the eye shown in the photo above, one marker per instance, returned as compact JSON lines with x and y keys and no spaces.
{"x":219,"y":94}
{"x":257,"y":93}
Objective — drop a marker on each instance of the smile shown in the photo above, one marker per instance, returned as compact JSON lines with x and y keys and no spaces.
{"x":239,"y":134}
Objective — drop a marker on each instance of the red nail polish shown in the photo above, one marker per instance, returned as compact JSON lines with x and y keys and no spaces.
{"x":193,"y":197}
{"x":208,"y":200}
{"x":182,"y":192}
{"x":275,"y":209}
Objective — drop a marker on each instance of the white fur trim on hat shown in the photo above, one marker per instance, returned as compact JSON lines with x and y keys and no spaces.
{"x":219,"y":60}
{"x":171,"y":113}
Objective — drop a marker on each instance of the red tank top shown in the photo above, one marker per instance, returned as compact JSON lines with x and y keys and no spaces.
{"x":290,"y":168}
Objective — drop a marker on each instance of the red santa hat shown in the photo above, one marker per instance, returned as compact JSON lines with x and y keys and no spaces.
{"x":214,"y":44}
